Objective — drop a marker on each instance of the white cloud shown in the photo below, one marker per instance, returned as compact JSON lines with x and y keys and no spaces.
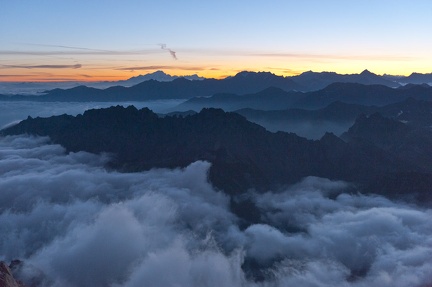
{"x":80,"y":225}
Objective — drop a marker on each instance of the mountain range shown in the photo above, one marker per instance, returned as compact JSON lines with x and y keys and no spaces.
{"x":159,"y":76}
{"x":337,"y":117}
{"x":159,"y":85}
{"x":278,"y":99}
{"x":180,"y":88}
{"x":313,"y":81}
{"x":244,"y":155}
{"x":268,"y":97}
{"x":37,"y":88}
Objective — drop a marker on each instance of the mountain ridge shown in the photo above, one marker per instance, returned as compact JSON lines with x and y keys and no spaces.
{"x":274,"y":98}
{"x":244,"y":155}
{"x":306,"y":81}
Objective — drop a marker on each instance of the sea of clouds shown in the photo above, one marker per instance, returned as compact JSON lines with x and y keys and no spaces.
{"x":75,"y":223}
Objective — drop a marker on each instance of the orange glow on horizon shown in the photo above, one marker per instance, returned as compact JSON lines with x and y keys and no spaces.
{"x":113,"y":75}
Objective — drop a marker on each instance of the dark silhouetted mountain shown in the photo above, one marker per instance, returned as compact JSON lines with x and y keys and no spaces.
{"x":268,"y":99}
{"x":367,"y":95}
{"x":35,"y":88}
{"x":16,"y":98}
{"x":403,"y":142}
{"x":410,"y":144}
{"x":243,"y":155}
{"x":417,"y":78}
{"x":273,"y":98}
{"x":7,"y":278}
{"x":338,"y":117}
{"x":180,"y":88}
{"x":419,"y":87}
{"x":336,"y":111}
{"x":313,"y":124}
{"x":407,"y":186}
{"x":348,"y":93}
{"x":242,"y":83}
{"x":312,"y":81}
{"x":414,"y":113}
{"x":147,"y":90}
{"x":250,"y":82}
{"x":368,"y":78}
{"x":247,"y":83}
{"x":159,"y":76}
{"x":178,"y":114}
{"x":77,"y":94}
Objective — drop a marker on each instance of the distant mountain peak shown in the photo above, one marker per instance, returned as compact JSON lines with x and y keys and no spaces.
{"x":366,"y":72}
{"x":159,"y":76}
{"x":156,"y":73}
{"x":245,"y":74}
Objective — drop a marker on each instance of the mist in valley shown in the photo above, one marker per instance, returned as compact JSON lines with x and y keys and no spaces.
{"x":74,"y":223}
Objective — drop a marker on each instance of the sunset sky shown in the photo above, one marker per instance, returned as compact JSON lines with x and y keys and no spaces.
{"x":51,"y":40}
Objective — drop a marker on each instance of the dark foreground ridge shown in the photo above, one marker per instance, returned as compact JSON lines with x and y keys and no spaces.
{"x":244,"y":155}
{"x":6,"y":276}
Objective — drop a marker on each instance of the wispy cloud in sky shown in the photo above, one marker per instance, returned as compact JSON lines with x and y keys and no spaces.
{"x":334,"y":56}
{"x":173,"y":53}
{"x":76,"y":66}
{"x":14,"y":75}
{"x":102,"y":63}
{"x":79,"y":52}
{"x":161,"y":67}
{"x":82,"y":51}
{"x":86,"y":76}
{"x":67,"y":47}
{"x":344,"y":38}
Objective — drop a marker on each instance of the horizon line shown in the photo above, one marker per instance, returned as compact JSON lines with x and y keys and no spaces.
{"x":105,"y":78}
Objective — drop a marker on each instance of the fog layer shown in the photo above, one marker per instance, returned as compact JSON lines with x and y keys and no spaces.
{"x":74,"y":223}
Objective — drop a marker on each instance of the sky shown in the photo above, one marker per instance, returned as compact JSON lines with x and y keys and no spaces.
{"x":51,"y":40}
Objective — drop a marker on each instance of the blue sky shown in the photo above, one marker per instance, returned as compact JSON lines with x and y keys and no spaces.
{"x":93,"y":40}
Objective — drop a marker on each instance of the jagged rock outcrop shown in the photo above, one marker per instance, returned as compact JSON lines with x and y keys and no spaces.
{"x":243,"y":155}
{"x":411,"y":144}
{"x":405,"y":142}
{"x":6,"y":277}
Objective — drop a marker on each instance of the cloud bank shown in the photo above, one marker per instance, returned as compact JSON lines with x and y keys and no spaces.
{"x":74,"y":223}
{"x":159,"y":67}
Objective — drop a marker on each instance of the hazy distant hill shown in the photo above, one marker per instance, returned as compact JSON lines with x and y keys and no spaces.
{"x":313,"y":124}
{"x":159,"y":76}
{"x":353,"y":93}
{"x":338,"y":117}
{"x":400,"y":141}
{"x":268,"y":99}
{"x":313,"y":81}
{"x":417,"y":78}
{"x":180,"y":88}
{"x":36,"y":88}
{"x":276,"y":99}
{"x":410,"y":144}
{"x":250,"y":82}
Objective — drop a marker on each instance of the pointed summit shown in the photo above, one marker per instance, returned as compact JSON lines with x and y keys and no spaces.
{"x":366,"y":72}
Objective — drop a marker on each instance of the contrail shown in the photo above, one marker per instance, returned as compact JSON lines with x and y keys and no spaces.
{"x":68,"y":47}
{"x":172,"y":53}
